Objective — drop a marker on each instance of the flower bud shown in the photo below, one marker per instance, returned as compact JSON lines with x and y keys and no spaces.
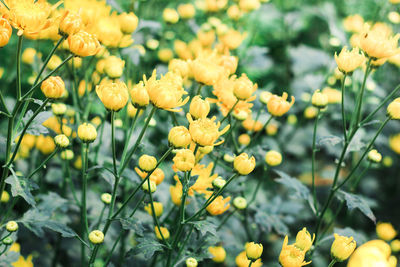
{"x":229,"y":158}
{"x":106,"y":198}
{"x":184,"y":160}
{"x":158,"y":208}
{"x":61,"y":140}
{"x":310,"y":112}
{"x":243,"y":88}
{"x":147,"y":163}
{"x":199,"y":108}
{"x":348,"y":61}
{"x":253,"y":251}
{"x":83,"y":44}
{"x":243,"y":164}
{"x":114,"y":67}
{"x":8,"y":241}
{"x":128,"y":22}
{"x":29,"y":54}
{"x":191,"y":262}
{"x":58,"y":109}
{"x":244,"y":139}
{"x":206,"y":149}
{"x":304,"y":240}
{"x":87,"y":132}
{"x":385,"y":231}
{"x":139,"y":95}
{"x":67,"y":154}
{"x":5,"y":32}
{"x":186,"y":11}
{"x":240,"y":203}
{"x":395,"y":245}
{"x":278,"y":106}
{"x":219,"y":254}
{"x":218,"y":182}
{"x":153,"y":187}
{"x":114,"y":96}
{"x":53,"y":87}
{"x":241,"y":115}
{"x":70,"y":24}
{"x":393,"y":110}
{"x":319,"y":99}
{"x":374,"y":156}
{"x":170,"y":15}
{"x":12,"y":226}
{"x":179,"y":137}
{"x":265,"y":97}
{"x":273,"y":158}
{"x":164,"y":232}
{"x":96,"y":237}
{"x":5,"y":197}
{"x":342,"y":247}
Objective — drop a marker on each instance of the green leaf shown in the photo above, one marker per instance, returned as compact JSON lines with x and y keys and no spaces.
{"x":356,"y":202}
{"x":36,"y":127}
{"x":205,"y":227}
{"x":8,"y":258}
{"x":133,"y":224}
{"x":330,"y":140}
{"x":61,"y":228}
{"x":146,"y":246}
{"x":293,"y":184}
{"x":271,"y":222}
{"x":22,"y":187}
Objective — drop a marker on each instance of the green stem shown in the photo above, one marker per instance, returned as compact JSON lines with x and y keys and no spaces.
{"x":229,"y":112}
{"x":133,"y":150}
{"x":226,"y":219}
{"x":250,"y":263}
{"x":128,"y":137}
{"x":343,"y":109}
{"x":97,"y":225}
{"x":100,"y":142}
{"x":19,"y":48}
{"x":199,"y":89}
{"x":314,"y":150}
{"x":332,"y":263}
{"x":3,"y":104}
{"x":43,"y":163}
{"x":84,"y":220}
{"x":114,"y":153}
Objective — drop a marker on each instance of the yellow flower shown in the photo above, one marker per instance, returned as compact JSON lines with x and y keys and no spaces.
{"x":310,"y":112}
{"x":114,"y":67}
{"x":132,"y":110}
{"x":191,"y":262}
{"x":379,"y":44}
{"x":206,"y":37}
{"x":53,"y":87}
{"x":353,"y":23}
{"x":179,"y":137}
{"x":394,"y":143}
{"x":253,"y":251}
{"x":152,"y":187}
{"x":199,"y":108}
{"x":157,"y":176}
{"x":244,"y":139}
{"x":45,"y":144}
{"x":186,"y":11}
{"x":204,"y":131}
{"x":319,"y":100}
{"x":393,"y":109}
{"x":238,"y":202}
{"x":184,"y":160}
{"x":158,"y":208}
{"x":164,"y":232}
{"x":334,"y":95}
{"x":70,"y":23}
{"x":5,"y":197}
{"x":29,"y":54}
{"x":371,"y":253}
{"x":385,"y":231}
{"x":244,"y":88}
{"x":61,"y":140}
{"x":176,"y":193}
{"x":304,"y":240}
{"x":206,"y":71}
{"x":58,"y":109}
{"x":342,"y":247}
{"x":374,"y":156}
{"x":348,"y":61}
{"x":232,"y":39}
{"x":147,"y":163}
{"x":218,"y":206}
{"x":218,"y":253}
{"x":241,"y":260}
{"x":170,"y":15}
{"x":278,"y":106}
{"x":139,"y":96}
{"x":165,"y":54}
{"x":12,"y":226}
{"x":249,"y":5}
{"x":87,"y":132}
{"x":54,"y":62}
{"x":244,"y":164}
{"x":22,"y":262}
{"x":83,"y":44}
{"x":128,"y":22}
{"x":273,"y":158}
{"x":96,"y":237}
{"x":113,"y":95}
{"x":291,"y":256}
{"x":166,"y":93}
{"x":395,"y":245}
{"x":179,"y":66}
{"x":251,"y":125}
{"x":106,"y":198}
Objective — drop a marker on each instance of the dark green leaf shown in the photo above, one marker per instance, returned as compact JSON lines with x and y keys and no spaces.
{"x":293,"y":184}
{"x":271,"y":222}
{"x":356,"y":202}
{"x":22,"y":187}
{"x":205,"y":227}
{"x":146,"y":246}
{"x":133,"y":224}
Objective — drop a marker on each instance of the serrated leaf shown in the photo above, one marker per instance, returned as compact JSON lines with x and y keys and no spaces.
{"x":61,"y":228}
{"x":331,"y":140}
{"x":271,"y":222}
{"x":146,"y":246}
{"x":293,"y":184}
{"x":356,"y":202}
{"x":36,"y":127}
{"x":133,"y":224}
{"x":205,"y":227}
{"x":22,"y":187}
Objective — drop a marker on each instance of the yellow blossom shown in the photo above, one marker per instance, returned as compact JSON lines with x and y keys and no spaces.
{"x":113,"y":95}
{"x":204,"y":131}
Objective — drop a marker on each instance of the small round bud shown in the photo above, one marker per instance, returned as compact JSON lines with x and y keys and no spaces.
{"x":164,"y":232}
{"x":87,"y":132}
{"x":219,"y":254}
{"x":273,"y":158}
{"x":240,"y":203}
{"x":53,"y":87}
{"x":5,"y":197}
{"x":147,"y":163}
{"x":385,"y":231}
{"x":342,"y":247}
{"x":184,"y":160}
{"x":191,"y":262}
{"x":265,"y":96}
{"x":218,"y":182}
{"x":199,"y":108}
{"x":244,"y":139}
{"x":228,"y":158}
{"x":243,"y":88}
{"x":179,"y":137}
{"x":158,"y":208}
{"x":114,"y":67}
{"x":304,"y":240}
{"x":58,"y":109}
{"x":244,"y":164}
{"x":70,"y":24}
{"x":96,"y":237}
{"x":319,"y":99}
{"x":12,"y":226}
{"x":253,"y":251}
{"x":153,"y":187}
{"x":8,"y":241}
{"x":106,"y":198}
{"x":241,"y":115}
{"x":206,"y":149}
{"x":67,"y":154}
{"x":61,"y":140}
{"x":393,"y":110}
{"x":374,"y":156}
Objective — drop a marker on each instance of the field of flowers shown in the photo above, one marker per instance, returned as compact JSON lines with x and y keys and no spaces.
{"x":199,"y":133}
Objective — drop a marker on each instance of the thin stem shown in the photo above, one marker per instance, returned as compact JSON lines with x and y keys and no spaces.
{"x":229,"y":112}
{"x":314,"y":150}
{"x":84,"y":220}
{"x":100,"y":141}
{"x":343,"y":110}
{"x":332,"y":263}
{"x":43,"y":163}
{"x":114,"y":153}
{"x":198,"y":92}
{"x":19,"y":48}
{"x":250,"y":263}
{"x":97,"y":225}
{"x":226,"y":219}
{"x":3,"y":103}
{"x":128,"y":136}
